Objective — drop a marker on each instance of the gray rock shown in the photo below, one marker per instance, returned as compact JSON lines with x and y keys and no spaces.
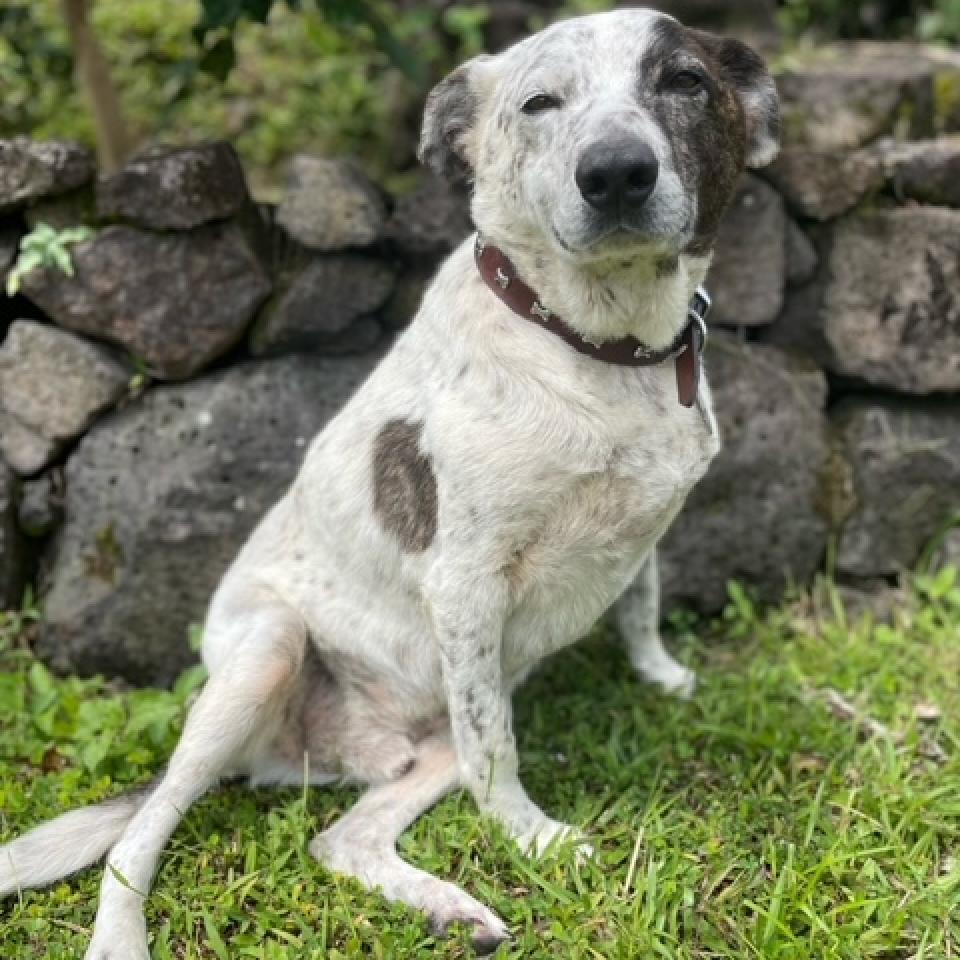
{"x":928,"y":171}
{"x":429,"y":221}
{"x":10,"y":233}
{"x":55,"y":384}
{"x":11,"y":546}
{"x":64,"y":210}
{"x":31,"y":169}
{"x":756,"y":515}
{"x":846,"y":95}
{"x":330,"y":204}
{"x":161,"y":495}
{"x":873,"y":598}
{"x":283,"y":254}
{"x":407,"y":296}
{"x":41,"y":504}
{"x":823,"y":184}
{"x":175,"y":301}
{"x":327,"y":306}
{"x":902,"y":477}
{"x":747,"y":274}
{"x":802,"y":258}
{"x":25,"y":449}
{"x":175,"y":187}
{"x":886,"y":306}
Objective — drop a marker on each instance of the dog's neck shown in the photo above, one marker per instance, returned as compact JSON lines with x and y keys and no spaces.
{"x":646,"y":299}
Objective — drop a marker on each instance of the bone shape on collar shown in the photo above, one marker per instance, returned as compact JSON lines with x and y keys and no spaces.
{"x":501,"y":277}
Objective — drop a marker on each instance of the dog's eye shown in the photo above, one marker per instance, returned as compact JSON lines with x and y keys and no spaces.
{"x":685,"y":81}
{"x":540,"y":102}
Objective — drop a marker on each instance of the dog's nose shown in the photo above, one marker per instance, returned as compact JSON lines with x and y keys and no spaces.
{"x":617,"y":174}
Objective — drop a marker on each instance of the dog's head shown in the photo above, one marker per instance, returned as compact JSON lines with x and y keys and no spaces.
{"x":614,"y":135}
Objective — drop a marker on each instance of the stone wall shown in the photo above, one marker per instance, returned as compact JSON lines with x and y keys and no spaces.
{"x":154,"y":403}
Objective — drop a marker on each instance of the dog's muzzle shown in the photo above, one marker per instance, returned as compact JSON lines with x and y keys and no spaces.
{"x":617,"y":175}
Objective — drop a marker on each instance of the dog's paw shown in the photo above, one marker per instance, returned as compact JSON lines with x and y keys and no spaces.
{"x":120,"y":943}
{"x":547,"y":837}
{"x":115,"y":951}
{"x":672,"y":677}
{"x":449,"y":906}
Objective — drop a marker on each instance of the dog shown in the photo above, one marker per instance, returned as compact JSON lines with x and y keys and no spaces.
{"x":496,"y":486}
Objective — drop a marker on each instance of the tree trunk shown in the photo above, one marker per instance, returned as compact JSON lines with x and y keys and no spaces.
{"x":92,"y":72}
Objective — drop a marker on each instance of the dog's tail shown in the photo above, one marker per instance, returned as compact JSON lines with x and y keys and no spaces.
{"x":68,"y":843}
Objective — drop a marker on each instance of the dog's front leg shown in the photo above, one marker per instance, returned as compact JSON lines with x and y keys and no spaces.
{"x":637,"y":614}
{"x":468,"y":616}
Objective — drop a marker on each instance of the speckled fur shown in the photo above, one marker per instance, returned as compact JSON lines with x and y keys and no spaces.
{"x":487,"y":494}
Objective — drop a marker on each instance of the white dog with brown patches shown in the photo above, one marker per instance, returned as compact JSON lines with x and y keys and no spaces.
{"x":495,"y":487}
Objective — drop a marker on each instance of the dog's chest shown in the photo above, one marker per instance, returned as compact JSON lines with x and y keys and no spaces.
{"x":598,"y":523}
{"x":640,"y":488}
{"x":595,"y":532}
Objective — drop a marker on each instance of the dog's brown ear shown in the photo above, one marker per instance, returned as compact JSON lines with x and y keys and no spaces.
{"x":448,"y":119}
{"x":747,"y":72}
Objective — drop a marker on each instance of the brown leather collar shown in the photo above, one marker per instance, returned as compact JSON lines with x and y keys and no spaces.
{"x":501,"y":277}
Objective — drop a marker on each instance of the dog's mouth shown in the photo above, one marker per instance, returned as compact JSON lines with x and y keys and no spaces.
{"x":622,"y":236}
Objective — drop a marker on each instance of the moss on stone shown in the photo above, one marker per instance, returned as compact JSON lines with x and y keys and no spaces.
{"x":835,"y":497}
{"x":795,"y":121}
{"x":107,"y":555}
{"x":946,"y":100}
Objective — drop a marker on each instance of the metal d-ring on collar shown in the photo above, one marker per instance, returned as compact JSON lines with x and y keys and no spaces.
{"x":699,"y":308}
{"x":501,"y":277}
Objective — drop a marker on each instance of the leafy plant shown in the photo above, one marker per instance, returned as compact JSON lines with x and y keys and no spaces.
{"x":936,"y":20}
{"x":35,"y":63}
{"x":466,"y":23}
{"x":45,"y":246}
{"x":311,"y":75}
{"x":942,"y":22}
{"x":219,"y":20}
{"x":15,"y":623}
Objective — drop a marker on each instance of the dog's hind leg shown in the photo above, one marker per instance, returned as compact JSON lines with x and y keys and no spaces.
{"x":362,"y":844}
{"x":239,"y":701}
{"x":637,"y":615}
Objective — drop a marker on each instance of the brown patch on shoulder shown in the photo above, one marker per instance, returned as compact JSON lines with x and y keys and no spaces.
{"x":404,"y":485}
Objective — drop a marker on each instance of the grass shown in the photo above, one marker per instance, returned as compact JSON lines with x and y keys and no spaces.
{"x":805,"y":804}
